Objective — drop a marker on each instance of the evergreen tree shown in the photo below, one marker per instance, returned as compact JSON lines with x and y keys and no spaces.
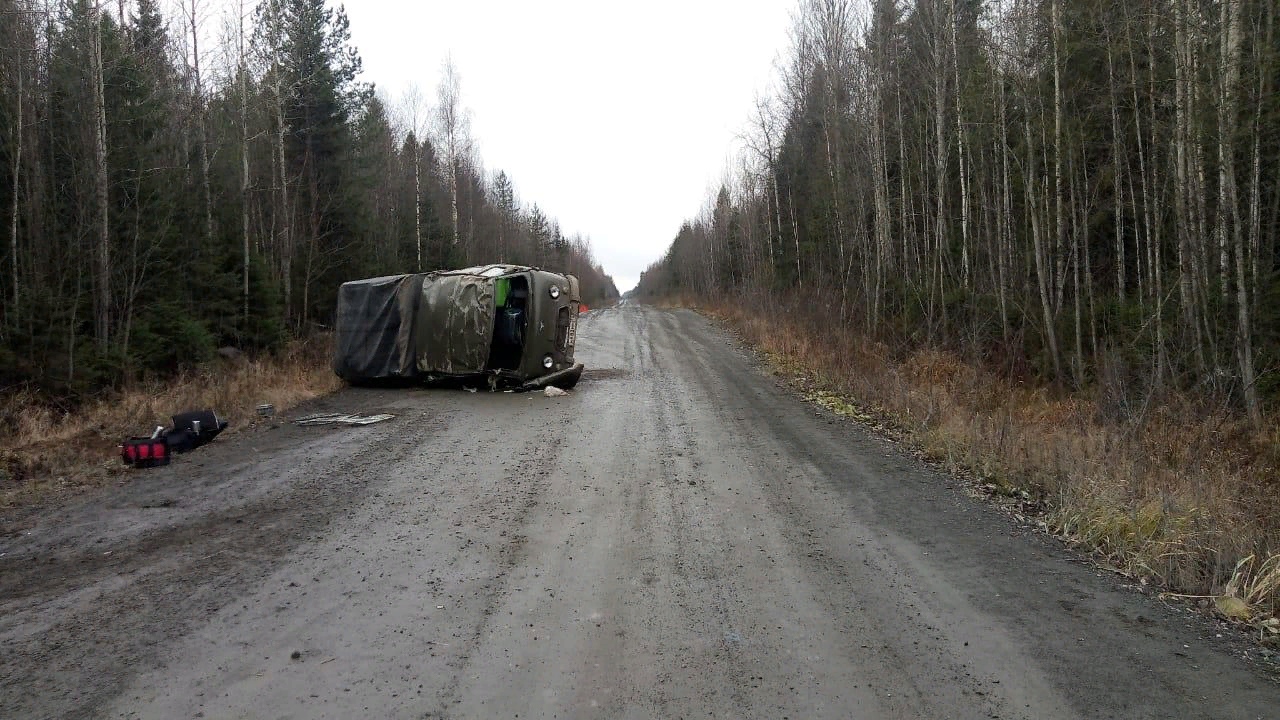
{"x":310,"y":186}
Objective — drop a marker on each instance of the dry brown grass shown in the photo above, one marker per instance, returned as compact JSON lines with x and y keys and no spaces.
{"x":1179,"y":497}
{"x":674,"y":302}
{"x":46,"y":452}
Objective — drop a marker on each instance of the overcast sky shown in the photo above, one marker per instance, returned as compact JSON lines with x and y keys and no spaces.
{"x":615,"y":118}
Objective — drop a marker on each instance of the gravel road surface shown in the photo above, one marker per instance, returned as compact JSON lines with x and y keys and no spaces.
{"x":679,"y":537}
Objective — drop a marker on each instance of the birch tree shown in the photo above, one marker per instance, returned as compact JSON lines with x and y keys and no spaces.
{"x":193,"y":10}
{"x":453,"y":137}
{"x":413,"y":113}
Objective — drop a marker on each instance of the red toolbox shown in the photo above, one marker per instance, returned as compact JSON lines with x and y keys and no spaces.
{"x":145,"y":452}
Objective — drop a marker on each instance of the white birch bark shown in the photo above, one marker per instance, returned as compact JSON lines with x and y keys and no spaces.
{"x":1228,"y":197}
{"x":960,"y":154}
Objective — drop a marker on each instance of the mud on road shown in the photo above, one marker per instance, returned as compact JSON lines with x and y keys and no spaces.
{"x":678,"y":537}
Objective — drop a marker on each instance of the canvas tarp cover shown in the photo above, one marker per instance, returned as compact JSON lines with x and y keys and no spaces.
{"x":375,"y":328}
{"x":454,"y":326}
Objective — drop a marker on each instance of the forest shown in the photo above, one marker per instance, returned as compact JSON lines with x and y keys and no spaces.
{"x":1082,"y":194}
{"x":1036,"y":241}
{"x":175,"y":185}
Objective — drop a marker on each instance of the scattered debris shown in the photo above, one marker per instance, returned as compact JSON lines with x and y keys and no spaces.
{"x":342,"y":419}
{"x":266,"y":410}
{"x":190,"y":430}
{"x":553,"y":391}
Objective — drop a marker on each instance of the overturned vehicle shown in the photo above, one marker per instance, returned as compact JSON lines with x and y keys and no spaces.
{"x":502,"y":325}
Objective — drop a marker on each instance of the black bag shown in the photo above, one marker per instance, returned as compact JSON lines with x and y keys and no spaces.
{"x":193,"y":429}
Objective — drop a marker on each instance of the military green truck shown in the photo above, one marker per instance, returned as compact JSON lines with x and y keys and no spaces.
{"x":501,"y":325}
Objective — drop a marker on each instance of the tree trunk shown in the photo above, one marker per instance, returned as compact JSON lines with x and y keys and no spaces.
{"x":795,"y":232}
{"x":1041,"y":263}
{"x":883,"y":221}
{"x":201,"y":129}
{"x":905,"y":205}
{"x":1264,"y":72}
{"x":1082,"y":222}
{"x":834,"y":177}
{"x":417,"y":202}
{"x":453,"y":199}
{"x":102,"y":280}
{"x":283,"y":213}
{"x":940,"y":161}
{"x":1060,"y":217}
{"x":1004,"y":241}
{"x":1182,"y":159}
{"x":1117,"y":155}
{"x":960,"y":157}
{"x":244,"y":169}
{"x":15,"y":310}
{"x":453,"y":133}
{"x":777,"y":209}
{"x":1228,"y":198}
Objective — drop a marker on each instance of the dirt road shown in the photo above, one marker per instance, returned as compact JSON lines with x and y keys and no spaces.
{"x":679,"y":537}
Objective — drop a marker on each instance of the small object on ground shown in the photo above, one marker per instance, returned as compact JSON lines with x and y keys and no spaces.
{"x":194,"y":428}
{"x":190,"y":430}
{"x":145,"y":452}
{"x":266,"y":410}
{"x":342,"y":419}
{"x":295,"y":655}
{"x":553,"y":391}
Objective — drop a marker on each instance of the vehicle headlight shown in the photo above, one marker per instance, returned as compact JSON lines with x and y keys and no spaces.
{"x":548,"y":361}
{"x":555,"y":291}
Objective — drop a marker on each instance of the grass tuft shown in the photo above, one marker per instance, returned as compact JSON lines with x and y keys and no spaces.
{"x":1177,"y":495}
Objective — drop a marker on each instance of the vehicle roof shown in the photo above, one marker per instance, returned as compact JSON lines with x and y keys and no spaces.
{"x":380,"y":280}
{"x":491,"y":270}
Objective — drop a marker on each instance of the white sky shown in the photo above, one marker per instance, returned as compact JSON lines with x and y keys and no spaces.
{"x":616,"y":118}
